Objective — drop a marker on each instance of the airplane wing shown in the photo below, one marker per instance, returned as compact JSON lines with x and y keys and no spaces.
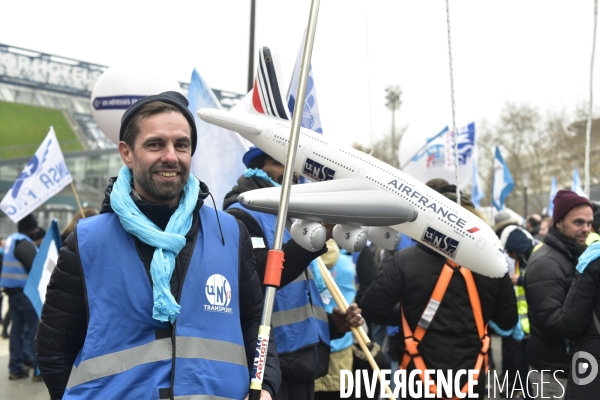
{"x":346,"y":201}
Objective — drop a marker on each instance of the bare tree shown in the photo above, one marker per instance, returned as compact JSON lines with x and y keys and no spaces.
{"x":536,"y":145}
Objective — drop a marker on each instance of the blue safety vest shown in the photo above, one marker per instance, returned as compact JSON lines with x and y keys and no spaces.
{"x":343,"y":273}
{"x":129,"y":355}
{"x":299,"y":317}
{"x":14,"y":274}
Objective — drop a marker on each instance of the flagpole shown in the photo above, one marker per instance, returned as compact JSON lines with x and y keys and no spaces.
{"x":77,"y":199}
{"x":359,"y":333}
{"x":275,"y":260}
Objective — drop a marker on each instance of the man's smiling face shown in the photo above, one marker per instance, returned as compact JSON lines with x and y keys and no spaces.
{"x":161,"y":157}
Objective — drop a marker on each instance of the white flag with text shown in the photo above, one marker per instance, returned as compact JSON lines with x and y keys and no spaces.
{"x":43,"y":176}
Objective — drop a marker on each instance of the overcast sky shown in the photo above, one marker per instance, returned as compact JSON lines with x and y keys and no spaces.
{"x":536,"y":52}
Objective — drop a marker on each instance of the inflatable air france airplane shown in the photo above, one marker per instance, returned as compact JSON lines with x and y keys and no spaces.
{"x":353,"y":189}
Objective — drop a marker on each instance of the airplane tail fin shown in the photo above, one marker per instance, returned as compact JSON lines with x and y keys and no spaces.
{"x":267,"y":97}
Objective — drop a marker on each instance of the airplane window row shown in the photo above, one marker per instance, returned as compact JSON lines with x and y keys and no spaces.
{"x":317,"y":139}
{"x":336,"y":163}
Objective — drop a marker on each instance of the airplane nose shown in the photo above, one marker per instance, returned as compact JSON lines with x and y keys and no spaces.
{"x":204,"y":114}
{"x":242,"y":123}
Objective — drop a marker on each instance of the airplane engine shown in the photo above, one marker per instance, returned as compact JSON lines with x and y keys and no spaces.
{"x":309,"y":235}
{"x":350,"y":238}
{"x":384,"y":236}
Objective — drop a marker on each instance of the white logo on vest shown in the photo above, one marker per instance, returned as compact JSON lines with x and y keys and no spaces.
{"x":218,"y":294}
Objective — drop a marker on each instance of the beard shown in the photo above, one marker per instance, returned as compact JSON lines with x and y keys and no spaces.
{"x":163,"y":190}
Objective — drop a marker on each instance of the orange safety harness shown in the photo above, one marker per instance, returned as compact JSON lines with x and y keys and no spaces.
{"x":412,"y":340}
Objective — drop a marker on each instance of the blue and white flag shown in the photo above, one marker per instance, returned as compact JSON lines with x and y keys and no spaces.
{"x":311,"y":118}
{"x":218,"y":157}
{"x":576,"y":185}
{"x":43,"y":176}
{"x":476,"y":186}
{"x":428,"y":157}
{"x":42,"y":267}
{"x":552,"y":194}
{"x":503,"y":182}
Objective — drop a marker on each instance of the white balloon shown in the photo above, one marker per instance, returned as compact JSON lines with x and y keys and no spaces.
{"x":309,"y":235}
{"x":350,"y":238}
{"x":118,"y":88}
{"x":384,"y":236}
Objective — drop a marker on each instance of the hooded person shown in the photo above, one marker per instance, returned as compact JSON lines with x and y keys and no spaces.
{"x":156,"y":297}
{"x":301,"y":326}
{"x":549,"y":275}
{"x":20,"y":251}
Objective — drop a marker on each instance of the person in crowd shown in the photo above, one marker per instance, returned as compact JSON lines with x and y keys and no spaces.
{"x":17,"y":261}
{"x":38,"y":237}
{"x":156,"y":297}
{"x":87,"y":212}
{"x":455,"y":338}
{"x":544,"y":227}
{"x":519,"y":245}
{"x":2,"y":241}
{"x":547,"y":281}
{"x":301,"y":326}
{"x":342,"y":269}
{"x":533,"y":223}
{"x":504,"y":221}
{"x":580,"y":316}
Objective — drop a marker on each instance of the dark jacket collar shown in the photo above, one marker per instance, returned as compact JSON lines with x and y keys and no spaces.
{"x":565,"y":245}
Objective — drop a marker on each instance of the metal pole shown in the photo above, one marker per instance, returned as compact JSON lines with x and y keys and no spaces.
{"x":394,"y":144}
{"x":275,"y":252}
{"x":251,"y":46}
{"x":525,"y":198}
{"x":588,"y":129}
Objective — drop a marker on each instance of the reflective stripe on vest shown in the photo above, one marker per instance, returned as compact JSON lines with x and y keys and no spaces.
{"x":412,"y":340}
{"x":299,"y":316}
{"x":14,"y":274}
{"x":522,"y":302}
{"x":158,"y":350}
{"x":127,"y":353}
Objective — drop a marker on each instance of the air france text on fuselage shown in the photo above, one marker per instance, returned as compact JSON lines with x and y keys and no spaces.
{"x":428,"y":203}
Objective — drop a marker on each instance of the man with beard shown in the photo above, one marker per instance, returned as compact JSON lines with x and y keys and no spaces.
{"x":547,"y":280}
{"x":156,"y":297}
{"x":301,"y":326}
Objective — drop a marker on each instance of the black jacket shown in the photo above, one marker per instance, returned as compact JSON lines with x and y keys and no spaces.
{"x":63,"y":324}
{"x":549,"y":274}
{"x":451,"y":341}
{"x":308,"y":363}
{"x":582,"y":301}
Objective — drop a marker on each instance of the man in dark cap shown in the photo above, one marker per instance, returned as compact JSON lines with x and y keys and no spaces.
{"x":156,"y":297}
{"x":17,"y":261}
{"x":547,"y":281}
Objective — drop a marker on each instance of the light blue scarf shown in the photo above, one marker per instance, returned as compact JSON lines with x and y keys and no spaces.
{"x":259,"y":173}
{"x":590,"y":254}
{"x":168,"y":244}
{"x":515,"y":332}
